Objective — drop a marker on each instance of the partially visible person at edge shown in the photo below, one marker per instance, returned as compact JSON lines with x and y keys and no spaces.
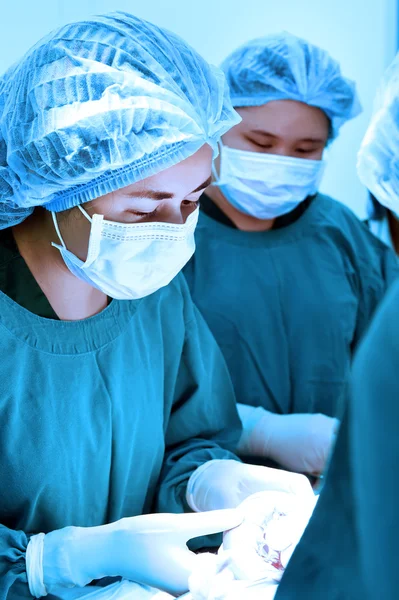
{"x":115,"y":400}
{"x":383,"y":223}
{"x":350,"y":549}
{"x":286,"y":277}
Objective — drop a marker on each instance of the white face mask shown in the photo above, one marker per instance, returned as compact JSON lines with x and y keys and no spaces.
{"x":266,"y":186}
{"x":130,"y":261}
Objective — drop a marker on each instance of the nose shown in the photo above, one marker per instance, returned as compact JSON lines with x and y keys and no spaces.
{"x":173,"y":213}
{"x":177,"y":219}
{"x":280,"y":151}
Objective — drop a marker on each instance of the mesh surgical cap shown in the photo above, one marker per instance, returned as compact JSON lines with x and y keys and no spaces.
{"x":99,"y":105}
{"x":285,"y":67}
{"x":378,"y":159}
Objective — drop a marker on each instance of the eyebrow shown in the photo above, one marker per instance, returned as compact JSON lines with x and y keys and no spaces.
{"x":267,"y":133}
{"x":159,"y":195}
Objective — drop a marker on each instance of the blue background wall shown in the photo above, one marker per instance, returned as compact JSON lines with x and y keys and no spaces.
{"x":361,"y":34}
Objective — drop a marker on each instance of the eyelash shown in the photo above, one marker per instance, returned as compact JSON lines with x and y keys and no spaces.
{"x":262,"y":145}
{"x":299,"y":150}
{"x":154,"y":212}
{"x":144,"y":214}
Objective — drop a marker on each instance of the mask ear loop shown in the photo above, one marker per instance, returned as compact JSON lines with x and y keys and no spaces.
{"x":215,"y":175}
{"x":57,"y":230}
{"x":95,"y":235}
{"x":82,"y":210}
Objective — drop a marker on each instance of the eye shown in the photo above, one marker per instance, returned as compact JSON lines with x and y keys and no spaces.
{"x":139,"y":213}
{"x":305,"y":151}
{"x":264,"y":143}
{"x":265,"y":146}
{"x":194,"y":203}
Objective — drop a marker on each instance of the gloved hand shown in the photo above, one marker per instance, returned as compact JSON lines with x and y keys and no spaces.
{"x":213,"y":579}
{"x":226,"y":483}
{"x":262,"y":545}
{"x":149,"y":549}
{"x":299,"y":442}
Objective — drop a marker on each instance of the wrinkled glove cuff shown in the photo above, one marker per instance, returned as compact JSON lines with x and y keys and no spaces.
{"x":34,"y":566}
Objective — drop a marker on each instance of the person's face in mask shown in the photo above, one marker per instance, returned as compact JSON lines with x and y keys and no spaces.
{"x":124,"y":245}
{"x":269,"y":162}
{"x":167,"y":197}
{"x":283,"y":127}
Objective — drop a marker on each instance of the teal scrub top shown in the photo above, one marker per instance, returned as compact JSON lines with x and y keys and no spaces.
{"x":350,"y":549}
{"x":101,"y":418}
{"x":288,"y":306}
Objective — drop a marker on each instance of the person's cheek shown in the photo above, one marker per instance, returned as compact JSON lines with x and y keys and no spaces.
{"x":318,"y":154}
{"x":236,"y":139}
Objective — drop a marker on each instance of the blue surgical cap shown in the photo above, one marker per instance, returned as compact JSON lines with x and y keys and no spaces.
{"x":378,"y":159}
{"x":99,"y":105}
{"x":285,"y":67}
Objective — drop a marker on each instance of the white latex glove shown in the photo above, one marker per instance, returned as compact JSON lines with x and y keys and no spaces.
{"x":255,"y":554}
{"x":299,"y":442}
{"x":226,"y":483}
{"x":262,"y":545}
{"x":149,"y":549}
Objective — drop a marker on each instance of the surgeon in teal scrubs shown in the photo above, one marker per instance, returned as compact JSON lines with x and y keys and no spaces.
{"x":286,"y":277}
{"x":350,"y":548}
{"x":114,"y":399}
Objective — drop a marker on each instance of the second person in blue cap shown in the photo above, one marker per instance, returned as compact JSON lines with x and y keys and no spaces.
{"x":286,"y":277}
